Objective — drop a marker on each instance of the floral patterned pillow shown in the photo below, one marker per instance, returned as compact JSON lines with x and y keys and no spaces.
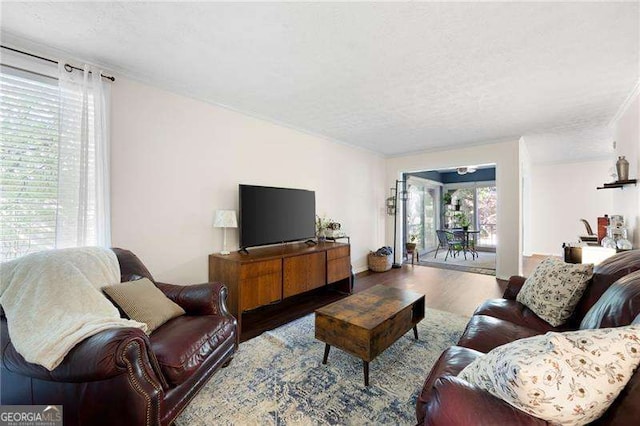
{"x":554,"y":289}
{"x":564,"y":378}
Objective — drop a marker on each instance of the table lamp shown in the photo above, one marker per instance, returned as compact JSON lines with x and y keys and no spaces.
{"x":225,"y":219}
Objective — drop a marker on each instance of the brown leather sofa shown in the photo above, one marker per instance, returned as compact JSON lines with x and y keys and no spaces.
{"x":122,"y":376}
{"x":611,"y":300}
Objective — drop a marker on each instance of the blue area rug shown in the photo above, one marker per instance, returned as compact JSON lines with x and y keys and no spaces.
{"x":278,"y":379}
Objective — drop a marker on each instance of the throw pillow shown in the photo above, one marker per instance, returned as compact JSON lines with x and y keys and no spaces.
{"x":554,"y":289}
{"x":142,"y":301}
{"x":564,"y":378}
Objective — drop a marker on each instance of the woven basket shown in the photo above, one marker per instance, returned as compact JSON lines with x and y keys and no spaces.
{"x":379,"y":263}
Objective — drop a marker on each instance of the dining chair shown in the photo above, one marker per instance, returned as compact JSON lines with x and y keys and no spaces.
{"x":462,"y":236}
{"x":472,"y":242}
{"x":446,"y":239}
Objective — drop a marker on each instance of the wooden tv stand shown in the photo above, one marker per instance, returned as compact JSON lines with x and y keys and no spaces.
{"x":270,"y":274}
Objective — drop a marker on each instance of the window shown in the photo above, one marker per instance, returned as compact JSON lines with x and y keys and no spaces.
{"x":29,"y":164}
{"x":47,"y":164}
{"x":487,"y":208}
{"x":479,"y":204}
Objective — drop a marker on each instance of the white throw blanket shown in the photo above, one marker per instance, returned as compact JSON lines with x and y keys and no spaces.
{"x":52,"y":301}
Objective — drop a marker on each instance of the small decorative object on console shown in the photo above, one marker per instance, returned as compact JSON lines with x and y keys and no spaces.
{"x":334,"y":230}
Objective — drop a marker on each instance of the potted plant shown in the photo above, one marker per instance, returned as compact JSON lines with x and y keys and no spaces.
{"x":462,"y":220}
{"x":413,"y":241}
{"x":322,"y":224}
{"x":446,"y":198}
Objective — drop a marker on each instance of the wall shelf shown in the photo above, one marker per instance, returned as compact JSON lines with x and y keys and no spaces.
{"x":618,"y":184}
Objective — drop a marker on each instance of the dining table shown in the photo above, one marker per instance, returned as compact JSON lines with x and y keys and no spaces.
{"x":467,"y":236}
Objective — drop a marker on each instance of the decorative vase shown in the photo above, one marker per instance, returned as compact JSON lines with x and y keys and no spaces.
{"x":622,"y":167}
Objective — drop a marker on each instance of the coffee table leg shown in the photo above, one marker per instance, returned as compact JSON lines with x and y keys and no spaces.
{"x":326,"y":353}
{"x":415,"y":331}
{"x":366,"y":372}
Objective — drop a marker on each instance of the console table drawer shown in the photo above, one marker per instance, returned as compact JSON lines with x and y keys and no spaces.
{"x":303,"y":273}
{"x":338,"y":253}
{"x":338,"y":269}
{"x":257,"y":269}
{"x":259,"y":291}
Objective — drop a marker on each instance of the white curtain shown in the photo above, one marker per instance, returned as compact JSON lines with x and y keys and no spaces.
{"x":83,"y":211}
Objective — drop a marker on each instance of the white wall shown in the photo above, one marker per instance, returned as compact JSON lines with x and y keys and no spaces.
{"x":505,"y":155}
{"x":175,"y":160}
{"x":561,"y":195}
{"x":525,"y":197}
{"x":627,"y":135}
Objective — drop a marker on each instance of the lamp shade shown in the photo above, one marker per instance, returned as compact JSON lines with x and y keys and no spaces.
{"x":225,"y":219}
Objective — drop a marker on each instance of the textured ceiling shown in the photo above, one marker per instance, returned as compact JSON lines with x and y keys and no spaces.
{"x":390,"y":77}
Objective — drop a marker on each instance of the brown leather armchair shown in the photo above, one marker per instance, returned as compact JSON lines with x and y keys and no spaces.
{"x":123,"y":376}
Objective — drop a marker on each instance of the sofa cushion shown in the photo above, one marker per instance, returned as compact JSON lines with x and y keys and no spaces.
{"x":142,"y":301}
{"x":455,"y":402}
{"x":517,"y":313}
{"x":566,"y":378}
{"x":450,"y":363}
{"x":618,"y":306}
{"x":484,"y":333}
{"x":514,"y":285}
{"x":182,"y":344}
{"x":605,"y":274}
{"x":131,"y":267}
{"x":554,"y":289}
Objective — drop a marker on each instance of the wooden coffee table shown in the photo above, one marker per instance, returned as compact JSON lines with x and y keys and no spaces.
{"x":367,"y":323}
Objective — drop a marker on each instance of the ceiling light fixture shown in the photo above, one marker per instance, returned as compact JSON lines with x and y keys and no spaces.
{"x":465,"y":170}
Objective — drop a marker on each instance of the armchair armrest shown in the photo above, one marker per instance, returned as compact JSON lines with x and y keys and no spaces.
{"x":513,"y":287}
{"x":199,"y":299}
{"x":102,"y":356}
{"x":456,"y":402}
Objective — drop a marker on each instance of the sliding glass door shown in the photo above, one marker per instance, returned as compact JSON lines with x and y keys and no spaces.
{"x":487,"y":208}
{"x":479,"y":203}
{"x":422,"y":217}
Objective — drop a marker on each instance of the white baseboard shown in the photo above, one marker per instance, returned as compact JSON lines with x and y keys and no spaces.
{"x":358,"y":269}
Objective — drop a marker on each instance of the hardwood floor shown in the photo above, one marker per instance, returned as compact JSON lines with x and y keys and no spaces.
{"x":445,"y":290}
{"x":266,"y":318}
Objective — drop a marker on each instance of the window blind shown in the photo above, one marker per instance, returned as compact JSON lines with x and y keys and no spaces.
{"x":38,"y":127}
{"x":29,"y":124}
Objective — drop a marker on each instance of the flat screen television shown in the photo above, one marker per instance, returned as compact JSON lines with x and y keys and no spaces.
{"x":271,"y":215}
